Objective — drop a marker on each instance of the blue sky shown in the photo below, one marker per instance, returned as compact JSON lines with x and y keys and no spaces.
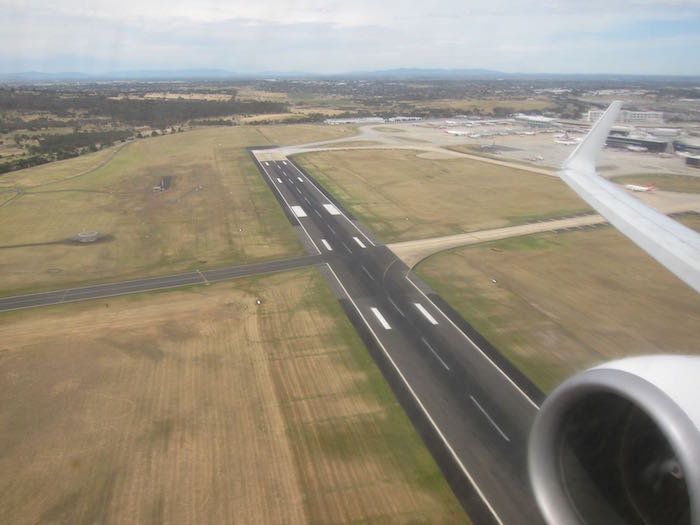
{"x":546,"y":36}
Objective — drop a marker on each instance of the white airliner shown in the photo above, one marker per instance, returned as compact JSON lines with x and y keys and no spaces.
{"x":566,"y":140}
{"x":456,"y":132}
{"x":635,"y":187}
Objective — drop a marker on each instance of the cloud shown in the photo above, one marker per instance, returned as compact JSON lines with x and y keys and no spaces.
{"x":336,"y":36}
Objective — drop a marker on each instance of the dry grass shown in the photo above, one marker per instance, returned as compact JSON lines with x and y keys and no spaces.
{"x":403,"y":197}
{"x":197,"y":406}
{"x":219,"y":209}
{"x":564,"y":302}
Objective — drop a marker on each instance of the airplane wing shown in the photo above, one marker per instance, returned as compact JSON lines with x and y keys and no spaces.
{"x":673,"y":245}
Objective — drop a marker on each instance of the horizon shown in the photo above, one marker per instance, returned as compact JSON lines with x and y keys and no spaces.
{"x":638,"y":38}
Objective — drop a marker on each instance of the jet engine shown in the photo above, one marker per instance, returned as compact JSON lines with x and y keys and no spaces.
{"x":620,"y":444}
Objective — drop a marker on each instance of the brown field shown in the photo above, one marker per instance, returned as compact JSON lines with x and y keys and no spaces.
{"x":197,"y":406}
{"x":218,"y":211}
{"x":564,"y":302}
{"x":403,"y":197}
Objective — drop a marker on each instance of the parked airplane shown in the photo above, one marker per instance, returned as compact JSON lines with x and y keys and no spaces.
{"x":566,"y":140}
{"x":456,"y":132}
{"x":635,"y":187}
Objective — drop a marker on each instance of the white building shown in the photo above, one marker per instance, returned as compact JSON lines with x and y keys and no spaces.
{"x":631,"y":117}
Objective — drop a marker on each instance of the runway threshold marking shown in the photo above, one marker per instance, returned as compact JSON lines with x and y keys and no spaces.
{"x":396,"y":307}
{"x":359,"y":242}
{"x":380,"y":318}
{"x":367,"y":272}
{"x":493,"y":423}
{"x":327,"y":245}
{"x":331,"y":209}
{"x":298,"y":211}
{"x":425,"y":313}
{"x":430,"y":347}
{"x":413,"y":393}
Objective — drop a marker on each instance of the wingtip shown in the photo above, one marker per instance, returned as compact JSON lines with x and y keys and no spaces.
{"x":583,"y":158}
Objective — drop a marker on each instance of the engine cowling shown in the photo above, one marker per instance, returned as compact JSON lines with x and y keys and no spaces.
{"x":620,"y":444}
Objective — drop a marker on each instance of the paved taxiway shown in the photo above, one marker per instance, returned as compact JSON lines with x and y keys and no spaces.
{"x":473,"y":410}
{"x":151,"y":283}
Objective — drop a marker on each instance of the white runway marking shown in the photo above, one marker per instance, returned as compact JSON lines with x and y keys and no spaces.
{"x":284,"y":162}
{"x":380,"y":318}
{"x":331,"y":229}
{"x":299,"y":211}
{"x":279,"y":180}
{"x":481,"y":409}
{"x":360,"y":243}
{"x":331,"y":209}
{"x":298,"y":191}
{"x":327,"y":245}
{"x":367,"y":272}
{"x":346,"y":247}
{"x":307,"y":200}
{"x":317,"y":212}
{"x":426,"y":343}
{"x":396,"y":306}
{"x":300,"y":179}
{"x":426,"y":313}
{"x":267,"y":164}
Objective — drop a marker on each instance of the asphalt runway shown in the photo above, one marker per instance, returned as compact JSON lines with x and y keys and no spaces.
{"x":471,"y":407}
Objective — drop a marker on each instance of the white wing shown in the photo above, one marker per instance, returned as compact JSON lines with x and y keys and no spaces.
{"x":669,"y":242}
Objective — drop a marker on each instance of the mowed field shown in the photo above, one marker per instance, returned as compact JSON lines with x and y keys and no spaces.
{"x":565,"y":302}
{"x":218,"y":210}
{"x":403,"y":197}
{"x":200,"y":406}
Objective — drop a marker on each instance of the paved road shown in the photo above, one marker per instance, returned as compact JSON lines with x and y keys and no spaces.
{"x":474,"y":417}
{"x":151,"y":283}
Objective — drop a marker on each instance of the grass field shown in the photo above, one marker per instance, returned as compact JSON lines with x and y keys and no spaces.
{"x":680,"y":183}
{"x":218,"y":211}
{"x":199,"y":406}
{"x":403,"y":197}
{"x":564,"y":302}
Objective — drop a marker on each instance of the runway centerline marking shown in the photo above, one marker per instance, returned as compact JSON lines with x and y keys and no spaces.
{"x":346,"y":247}
{"x":359,"y":242}
{"x":367,"y":272}
{"x":327,"y":245}
{"x":429,"y":346}
{"x":396,"y":307}
{"x":298,"y":190}
{"x":267,"y":164}
{"x":425,"y":313}
{"x":331,"y":209}
{"x":307,"y":200}
{"x":284,"y":162}
{"x":331,"y":229}
{"x":300,"y":179}
{"x":380,"y":318}
{"x":493,"y":423}
{"x":298,"y":211}
{"x":430,"y":419}
{"x":318,"y":213}
{"x":279,"y":180}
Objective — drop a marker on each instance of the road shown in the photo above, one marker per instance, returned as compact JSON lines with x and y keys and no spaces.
{"x":471,"y":408}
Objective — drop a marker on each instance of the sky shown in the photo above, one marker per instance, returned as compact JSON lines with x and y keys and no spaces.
{"x":335,"y":36}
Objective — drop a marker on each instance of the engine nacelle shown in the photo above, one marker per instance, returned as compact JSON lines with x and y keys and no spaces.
{"x":620,"y":444}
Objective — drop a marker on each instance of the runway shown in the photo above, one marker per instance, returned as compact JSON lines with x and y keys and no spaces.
{"x":471,"y":407}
